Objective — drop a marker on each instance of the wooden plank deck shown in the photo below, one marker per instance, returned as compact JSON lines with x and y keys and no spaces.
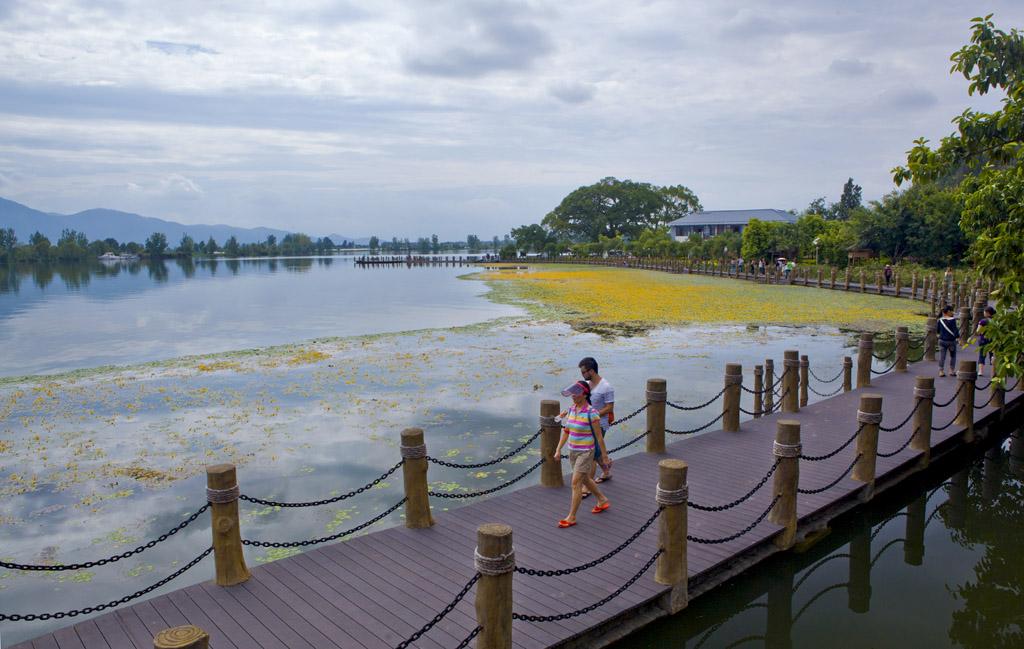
{"x":376,"y":590}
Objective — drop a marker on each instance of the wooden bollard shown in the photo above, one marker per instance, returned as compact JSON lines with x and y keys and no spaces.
{"x":791,"y":381}
{"x":495,"y":561}
{"x":965,"y":325}
{"x":913,"y":549}
{"x":924,"y":389}
{"x":758,"y":390}
{"x":414,"y":475}
{"x":966,"y":374}
{"x":551,"y":430}
{"x":865,"y":351}
{"x":847,"y":287}
{"x":182,"y":637}
{"x":769,"y":386}
{"x":902,"y":348}
{"x":731,"y":398}
{"x":878,"y":281}
{"x":997,"y":396}
{"x":934,"y":304}
{"x":863,"y":282}
{"x":930,"y":338}
{"x":670,"y":569}
{"x":657,"y":393}
{"x":899,"y":284}
{"x":868,"y":418}
{"x":805,"y":365}
{"x":786,"y":481}
{"x":913,"y":287}
{"x":832,"y":278}
{"x":222,"y":494}
{"x":819,"y":277}
{"x":847,"y":373}
{"x":858,"y":589}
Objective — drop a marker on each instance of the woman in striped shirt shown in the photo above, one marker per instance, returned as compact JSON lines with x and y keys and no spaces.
{"x":581,"y":428}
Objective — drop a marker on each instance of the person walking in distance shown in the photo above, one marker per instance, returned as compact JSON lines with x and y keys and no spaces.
{"x":602,"y":399}
{"x":949,"y":333}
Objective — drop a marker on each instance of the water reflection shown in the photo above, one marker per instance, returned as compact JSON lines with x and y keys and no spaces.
{"x":968,"y":594}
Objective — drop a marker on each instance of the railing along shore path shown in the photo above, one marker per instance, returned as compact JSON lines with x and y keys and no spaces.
{"x":381,"y":589}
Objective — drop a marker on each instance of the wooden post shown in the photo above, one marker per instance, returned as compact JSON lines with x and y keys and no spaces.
{"x":758,"y":390}
{"x":865,"y":352}
{"x":913,"y":287}
{"x":847,"y":288}
{"x":657,"y":393}
{"x":804,"y":366}
{"x":222,"y":494}
{"x":847,"y":373}
{"x":902,"y":348}
{"x":670,"y":569}
{"x":791,"y":381}
{"x":731,"y":398}
{"x":924,"y":389}
{"x":934,"y":301}
{"x":913,"y":549}
{"x":878,"y":281}
{"x":858,"y":590}
{"x":769,"y":386}
{"x":495,"y":563}
{"x":997,"y":396}
{"x":414,"y":475}
{"x":966,"y":375}
{"x":930,"y":338}
{"x":863,"y":282}
{"x":786,"y":480}
{"x":182,"y":637}
{"x":899,"y":284}
{"x":819,"y":277}
{"x":832,"y":278}
{"x":551,"y":430}
{"x":965,"y":325}
{"x":869,"y":417}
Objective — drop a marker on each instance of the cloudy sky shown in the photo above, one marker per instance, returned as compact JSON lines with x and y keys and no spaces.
{"x":455,"y":117}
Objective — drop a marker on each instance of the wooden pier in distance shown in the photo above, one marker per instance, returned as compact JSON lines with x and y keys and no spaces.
{"x":378,"y":590}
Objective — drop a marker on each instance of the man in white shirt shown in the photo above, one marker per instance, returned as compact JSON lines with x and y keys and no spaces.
{"x":602,"y":399}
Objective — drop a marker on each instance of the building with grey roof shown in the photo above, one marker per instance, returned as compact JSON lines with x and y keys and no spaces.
{"x":712,"y":223}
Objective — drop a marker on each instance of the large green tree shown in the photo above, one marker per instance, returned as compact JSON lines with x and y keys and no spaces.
{"x":990,"y":146}
{"x":612,"y":207}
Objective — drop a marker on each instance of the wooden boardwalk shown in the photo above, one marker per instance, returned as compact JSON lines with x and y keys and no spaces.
{"x":377,"y":590}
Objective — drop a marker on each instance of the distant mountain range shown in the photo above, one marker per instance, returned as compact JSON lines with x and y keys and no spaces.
{"x":124,"y":226}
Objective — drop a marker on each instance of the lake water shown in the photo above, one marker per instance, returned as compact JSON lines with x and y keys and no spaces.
{"x":98,"y":461}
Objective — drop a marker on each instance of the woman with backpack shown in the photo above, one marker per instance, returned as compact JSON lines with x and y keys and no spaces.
{"x":949,"y":334}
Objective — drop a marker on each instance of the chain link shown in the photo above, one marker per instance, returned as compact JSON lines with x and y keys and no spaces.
{"x":878,"y":555}
{"x":886,"y":370}
{"x":630,"y":442}
{"x":951,"y":421}
{"x":585,"y":566}
{"x":835,"y":378}
{"x":483,"y":464}
{"x":103,"y":562}
{"x":905,"y":445}
{"x":835,"y":482}
{"x":630,"y":416}
{"x":815,"y":598}
{"x":440,"y":616}
{"x":830,"y":394}
{"x":903,"y":423}
{"x":584,"y":611}
{"x":819,"y":458}
{"x":722,"y":508}
{"x":317,"y":503}
{"x":703,"y":405}
{"x":474,"y":494}
{"x":982,"y":387}
{"x":809,"y":571}
{"x":469,"y":638}
{"x":314,"y":541}
{"x":695,"y":430}
{"x":952,"y":399}
{"x":737,"y":535}
{"x":882,"y":358}
{"x":14,"y":617}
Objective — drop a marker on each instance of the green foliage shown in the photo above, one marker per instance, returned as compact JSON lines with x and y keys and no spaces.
{"x":374,"y":243}
{"x":532,"y":238}
{"x":156,"y":244}
{"x":187,"y":247}
{"x":989,"y":147}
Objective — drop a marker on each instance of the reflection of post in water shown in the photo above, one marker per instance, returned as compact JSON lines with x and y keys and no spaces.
{"x":1017,"y":453}
{"x":992,"y":478}
{"x":913,"y":548}
{"x":958,"y":500}
{"x":780,"y":609}
{"x":858,"y":590}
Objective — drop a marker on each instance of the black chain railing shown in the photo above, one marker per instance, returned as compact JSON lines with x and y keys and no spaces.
{"x":991,"y":397}
{"x":810,"y":571}
{"x":905,"y":445}
{"x":584,"y":611}
{"x":697,"y":539}
{"x":819,"y":458}
{"x":951,"y":421}
{"x":469,"y":638}
{"x":333,"y":537}
{"x":917,"y":346}
{"x":440,"y":616}
{"x":835,"y":482}
{"x":885,"y":371}
{"x":113,"y":559}
{"x":982,"y":387}
{"x":490,"y":462}
{"x":631,"y":415}
{"x":884,"y":356}
{"x":834,"y":378}
{"x":29,"y":617}
{"x":881,"y":526}
{"x":630,"y":442}
{"x":878,"y":555}
{"x":721,"y":508}
{"x":703,"y":405}
{"x":951,"y":399}
{"x":718,"y":625}
{"x":806,"y":606}
{"x":591,"y":564}
{"x":905,"y":420}
{"x":695,"y":430}
{"x":327,"y":501}
{"x":474,"y":494}
{"x":829,"y":394}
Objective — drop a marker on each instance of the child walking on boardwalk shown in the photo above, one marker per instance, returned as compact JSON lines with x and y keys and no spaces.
{"x":582,"y":430}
